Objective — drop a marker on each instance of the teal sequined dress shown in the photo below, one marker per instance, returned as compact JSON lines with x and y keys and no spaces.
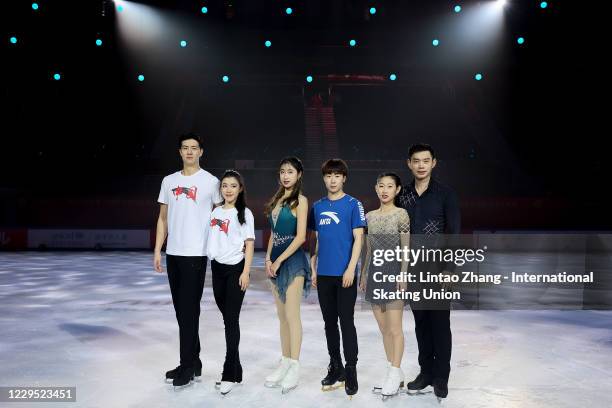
{"x":283,"y":233}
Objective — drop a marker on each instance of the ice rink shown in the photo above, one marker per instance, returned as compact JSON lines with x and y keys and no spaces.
{"x":104,"y":322}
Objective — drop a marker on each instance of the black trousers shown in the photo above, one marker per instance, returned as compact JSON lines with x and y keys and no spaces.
{"x":338,"y":303}
{"x":229,"y":297}
{"x":186,"y":276}
{"x":434,"y":339}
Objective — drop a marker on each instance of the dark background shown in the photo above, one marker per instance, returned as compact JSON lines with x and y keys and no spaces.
{"x":521,"y":147}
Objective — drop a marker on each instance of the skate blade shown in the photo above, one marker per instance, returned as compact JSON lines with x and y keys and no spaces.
{"x":378,"y":390}
{"x":217,"y":385}
{"x":440,"y":400}
{"x":328,"y":388}
{"x":416,"y":393}
{"x":270,"y":384}
{"x":395,"y":394}
{"x":426,"y":390}
{"x":182,"y":387}
{"x":287,"y":390}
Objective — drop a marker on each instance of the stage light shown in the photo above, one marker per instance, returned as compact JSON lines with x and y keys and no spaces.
{"x":309,"y":79}
{"x":140,"y":77}
{"x":57,"y":77}
{"x":478,"y":77}
{"x":372,"y":10}
{"x":435,"y":42}
{"x":543,"y":4}
{"x":352,"y":43}
{"x":13,"y":40}
{"x":183,"y":43}
{"x":392,"y":77}
{"x":457,"y":9}
{"x":119,"y":8}
{"x":288,"y":10}
{"x":99,"y":42}
{"x":520,"y":40}
{"x":225,"y":78}
{"x":204,"y":10}
{"x":268,"y":43}
{"x":34,"y":6}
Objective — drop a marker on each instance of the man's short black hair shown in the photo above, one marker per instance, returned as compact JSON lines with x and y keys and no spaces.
{"x":337,"y":166}
{"x":188,"y":136}
{"x":421,"y":147}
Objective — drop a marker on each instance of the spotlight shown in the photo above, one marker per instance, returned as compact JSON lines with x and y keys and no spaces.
{"x":34,"y":6}
{"x":225,"y":78}
{"x":352,"y":43}
{"x":288,"y":10}
{"x":99,"y":42}
{"x":435,"y":42}
{"x":478,"y":77}
{"x":309,"y":79}
{"x":204,"y":10}
{"x":183,"y":43}
{"x":13,"y":40}
{"x":372,"y":10}
{"x":392,"y":77}
{"x":543,"y":4}
{"x":457,"y":9}
{"x":57,"y":77}
{"x":500,"y":3}
{"x":520,"y":40}
{"x":140,"y":77}
{"x":268,"y":43}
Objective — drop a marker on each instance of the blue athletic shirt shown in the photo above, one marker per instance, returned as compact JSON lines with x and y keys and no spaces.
{"x":334,"y":221}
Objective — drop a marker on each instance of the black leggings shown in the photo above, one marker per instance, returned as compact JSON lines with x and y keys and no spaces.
{"x":228,"y":297}
{"x":186,"y":276}
{"x":338,"y":303}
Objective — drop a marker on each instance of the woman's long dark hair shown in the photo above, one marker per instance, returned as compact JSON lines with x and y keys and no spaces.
{"x":398,"y":183}
{"x":294,"y":198}
{"x":241,"y":199}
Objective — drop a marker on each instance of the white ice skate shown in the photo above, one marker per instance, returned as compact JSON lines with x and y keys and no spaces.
{"x":393,"y":383}
{"x":378,"y":388}
{"x":226,"y":386}
{"x":274,"y":379}
{"x":291,"y":377}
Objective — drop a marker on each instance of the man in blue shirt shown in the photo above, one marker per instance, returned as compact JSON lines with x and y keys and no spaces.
{"x":338,"y":221}
{"x":433,"y":209}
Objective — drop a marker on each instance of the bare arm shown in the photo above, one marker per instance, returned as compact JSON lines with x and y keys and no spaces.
{"x":268,"y":262}
{"x":160,"y":235}
{"x":244,"y":279}
{"x":313,"y":261}
{"x":349,"y":273}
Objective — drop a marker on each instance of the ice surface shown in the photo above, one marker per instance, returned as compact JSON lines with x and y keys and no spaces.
{"x":104,"y":322}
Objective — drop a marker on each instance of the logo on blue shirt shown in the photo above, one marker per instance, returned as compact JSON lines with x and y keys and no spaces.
{"x":332,"y":216}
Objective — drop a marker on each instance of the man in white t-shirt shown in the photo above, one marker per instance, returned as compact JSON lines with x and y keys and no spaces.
{"x":186,"y":200}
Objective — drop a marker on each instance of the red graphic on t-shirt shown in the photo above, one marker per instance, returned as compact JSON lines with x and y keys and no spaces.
{"x":190,"y":192}
{"x":222,"y":224}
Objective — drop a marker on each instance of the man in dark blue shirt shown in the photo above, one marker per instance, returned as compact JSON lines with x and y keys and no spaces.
{"x":433,"y":209}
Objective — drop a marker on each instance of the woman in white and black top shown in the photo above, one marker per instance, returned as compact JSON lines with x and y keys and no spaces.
{"x":230,"y":248}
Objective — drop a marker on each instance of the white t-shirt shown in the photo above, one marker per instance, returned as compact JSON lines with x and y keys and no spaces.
{"x":226,"y":235}
{"x":190,"y":201}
